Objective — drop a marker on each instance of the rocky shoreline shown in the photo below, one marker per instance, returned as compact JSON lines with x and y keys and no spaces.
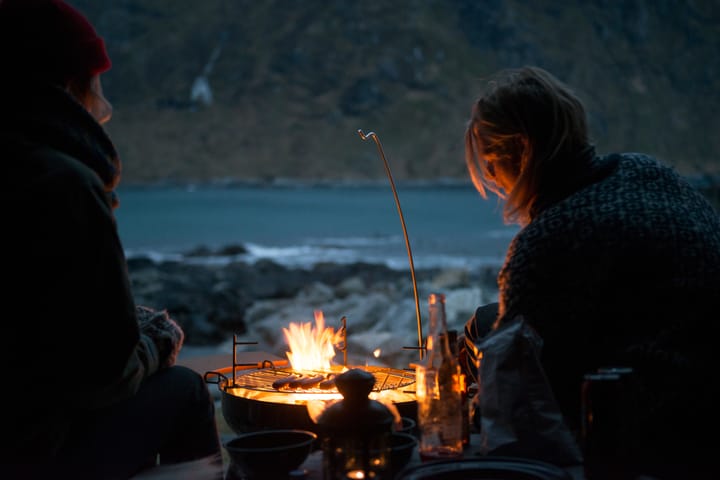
{"x":213,"y":301}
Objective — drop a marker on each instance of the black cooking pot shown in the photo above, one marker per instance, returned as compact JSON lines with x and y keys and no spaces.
{"x":245,"y":415}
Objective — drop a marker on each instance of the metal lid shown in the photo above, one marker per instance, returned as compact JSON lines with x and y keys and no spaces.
{"x":356,"y":413}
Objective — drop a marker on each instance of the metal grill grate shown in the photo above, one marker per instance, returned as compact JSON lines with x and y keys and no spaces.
{"x":262,"y":379}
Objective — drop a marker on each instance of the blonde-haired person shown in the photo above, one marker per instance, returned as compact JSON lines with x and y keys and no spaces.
{"x":617,"y":263}
{"x":91,"y":389}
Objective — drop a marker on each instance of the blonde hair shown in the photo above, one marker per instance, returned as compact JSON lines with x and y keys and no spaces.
{"x":530,"y":125}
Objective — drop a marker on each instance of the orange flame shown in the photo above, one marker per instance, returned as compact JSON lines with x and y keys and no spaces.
{"x":311,"y":348}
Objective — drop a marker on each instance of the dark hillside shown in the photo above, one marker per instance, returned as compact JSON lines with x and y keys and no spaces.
{"x":292,"y":81}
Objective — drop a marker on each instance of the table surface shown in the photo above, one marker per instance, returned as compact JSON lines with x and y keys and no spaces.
{"x":313,"y":465}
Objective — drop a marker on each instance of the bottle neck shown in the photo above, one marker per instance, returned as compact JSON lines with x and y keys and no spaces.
{"x":438,"y":345}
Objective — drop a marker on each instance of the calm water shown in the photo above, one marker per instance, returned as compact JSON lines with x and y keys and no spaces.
{"x":299,"y":226}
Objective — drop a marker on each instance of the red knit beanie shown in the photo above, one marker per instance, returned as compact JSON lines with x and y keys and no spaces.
{"x":48,"y":40}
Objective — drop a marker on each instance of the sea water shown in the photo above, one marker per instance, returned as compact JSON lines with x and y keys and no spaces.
{"x":299,"y":226}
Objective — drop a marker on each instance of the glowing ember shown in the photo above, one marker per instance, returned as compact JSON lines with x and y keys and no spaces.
{"x":377,"y":352}
{"x":311,"y":348}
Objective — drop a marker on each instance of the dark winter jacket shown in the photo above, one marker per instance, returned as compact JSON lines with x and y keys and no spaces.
{"x":624,"y":270}
{"x":70,"y":338}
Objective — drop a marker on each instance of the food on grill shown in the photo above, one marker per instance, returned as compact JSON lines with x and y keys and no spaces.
{"x":301,"y":381}
{"x":296,"y":382}
{"x":311,"y":382}
{"x":285,"y":382}
{"x":327,"y":384}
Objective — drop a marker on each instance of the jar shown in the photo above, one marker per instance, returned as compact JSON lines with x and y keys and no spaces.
{"x":355,"y":432}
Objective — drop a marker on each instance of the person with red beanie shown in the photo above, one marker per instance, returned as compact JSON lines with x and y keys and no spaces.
{"x":95,"y":390}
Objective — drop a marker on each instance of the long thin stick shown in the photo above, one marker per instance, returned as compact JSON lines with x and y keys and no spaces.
{"x":405,"y":234}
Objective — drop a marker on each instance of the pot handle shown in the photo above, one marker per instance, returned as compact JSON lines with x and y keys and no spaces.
{"x":215,"y":377}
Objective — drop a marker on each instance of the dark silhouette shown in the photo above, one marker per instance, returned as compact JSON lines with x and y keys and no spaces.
{"x":91,"y":389}
{"x":617,"y":264}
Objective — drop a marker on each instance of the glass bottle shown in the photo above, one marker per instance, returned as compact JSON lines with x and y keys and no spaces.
{"x":439,"y":391}
{"x":464,"y":401}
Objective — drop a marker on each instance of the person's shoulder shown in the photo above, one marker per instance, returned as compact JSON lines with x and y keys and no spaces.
{"x":639,"y":160}
{"x":634,"y":159}
{"x":62,"y":169}
{"x":46,"y":178}
{"x":33,"y":165}
{"x":641,"y":166}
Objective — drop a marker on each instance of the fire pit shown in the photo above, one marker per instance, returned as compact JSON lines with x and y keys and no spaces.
{"x":273,"y":397}
{"x":250,"y":402}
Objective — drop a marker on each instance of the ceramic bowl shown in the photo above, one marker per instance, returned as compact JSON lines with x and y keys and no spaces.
{"x":269,"y":453}
{"x":408,"y":426}
{"x":402,"y":448}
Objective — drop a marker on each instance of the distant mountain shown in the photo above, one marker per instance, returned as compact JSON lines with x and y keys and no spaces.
{"x":239,"y":89}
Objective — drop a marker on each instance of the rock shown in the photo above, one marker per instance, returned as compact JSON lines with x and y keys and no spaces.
{"x":316,"y":293}
{"x":451,"y":278}
{"x":212,"y":302}
{"x":352,"y":285}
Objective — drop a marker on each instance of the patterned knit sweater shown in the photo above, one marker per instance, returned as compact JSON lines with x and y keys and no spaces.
{"x":623,"y":271}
